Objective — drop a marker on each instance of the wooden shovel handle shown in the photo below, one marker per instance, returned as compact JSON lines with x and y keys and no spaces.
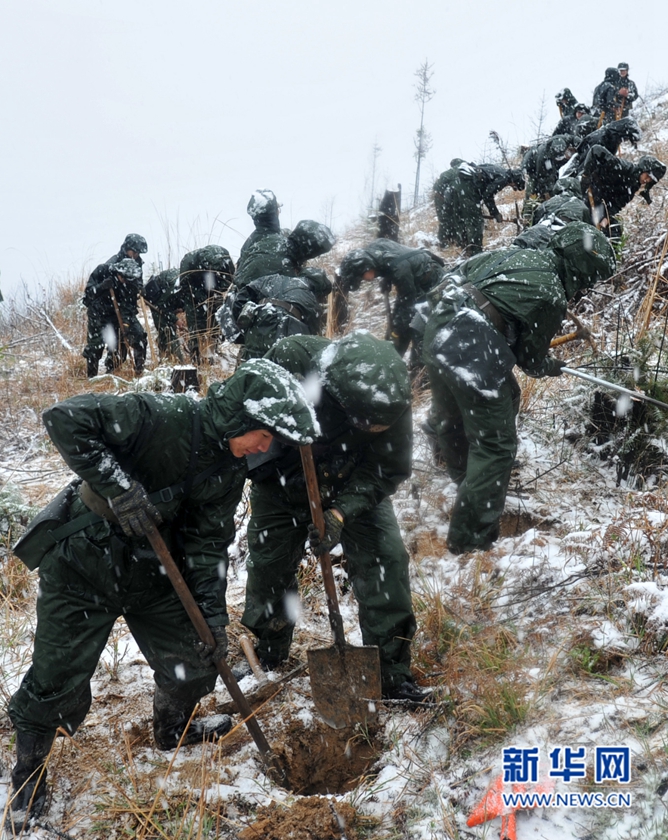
{"x":253,"y":661}
{"x":335,"y":620}
{"x":205,"y":634}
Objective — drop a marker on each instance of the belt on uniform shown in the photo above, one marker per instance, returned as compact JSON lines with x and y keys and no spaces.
{"x":287,"y":306}
{"x":487,"y":307}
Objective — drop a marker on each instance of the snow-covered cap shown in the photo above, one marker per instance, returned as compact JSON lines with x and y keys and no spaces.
{"x":127,"y":268}
{"x":368,"y":378}
{"x":259,"y":395}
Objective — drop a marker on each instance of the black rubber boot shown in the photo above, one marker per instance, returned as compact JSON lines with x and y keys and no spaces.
{"x":28,"y":779}
{"x":170,"y":718}
{"x":411,"y":694}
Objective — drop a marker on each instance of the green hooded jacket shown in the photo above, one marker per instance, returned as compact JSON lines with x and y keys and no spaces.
{"x":530,"y":289}
{"x":359,"y":385}
{"x":108,"y":440}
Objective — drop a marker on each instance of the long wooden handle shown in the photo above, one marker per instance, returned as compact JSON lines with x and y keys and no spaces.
{"x":253,"y":661}
{"x":205,"y":634}
{"x":335,"y":619}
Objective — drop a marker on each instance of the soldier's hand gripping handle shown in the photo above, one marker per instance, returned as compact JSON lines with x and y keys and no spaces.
{"x":332,"y":536}
{"x":135,"y":512}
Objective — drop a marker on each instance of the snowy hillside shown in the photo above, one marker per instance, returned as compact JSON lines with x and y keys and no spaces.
{"x":553,"y":639}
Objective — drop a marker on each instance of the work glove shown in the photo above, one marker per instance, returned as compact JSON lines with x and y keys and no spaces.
{"x":555,"y":368}
{"x":322,"y":544}
{"x":107,"y":283}
{"x":210,"y":656}
{"x":135,"y":511}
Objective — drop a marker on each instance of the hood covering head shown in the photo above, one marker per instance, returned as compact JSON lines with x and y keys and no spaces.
{"x":259,"y":395}
{"x":318,"y":280}
{"x":584,"y":257}
{"x":565,"y":97}
{"x":568,"y":186}
{"x":127,"y":268}
{"x":368,"y":378}
{"x":653,"y":166}
{"x":209,"y":258}
{"x":355,"y":263}
{"x":310,"y":239}
{"x":263,"y":203}
{"x":134,"y":242}
{"x":611,"y":74}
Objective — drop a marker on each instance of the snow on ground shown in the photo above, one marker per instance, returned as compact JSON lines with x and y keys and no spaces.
{"x":553,"y":638}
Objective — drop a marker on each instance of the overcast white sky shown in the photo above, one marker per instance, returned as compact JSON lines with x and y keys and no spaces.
{"x":160,"y":117}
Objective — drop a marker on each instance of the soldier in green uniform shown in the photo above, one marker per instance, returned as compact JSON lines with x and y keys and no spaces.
{"x":493,"y":312}
{"x":459,"y":193}
{"x":110,"y":297}
{"x":284,"y":253}
{"x":160,"y":293}
{"x":610,"y":183}
{"x":411,"y":271}
{"x":204,"y":276}
{"x":626,"y":92}
{"x":151,"y":458}
{"x":263,"y":311}
{"x":361,"y":456}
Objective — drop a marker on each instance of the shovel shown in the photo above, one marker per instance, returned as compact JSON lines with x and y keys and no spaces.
{"x":345,"y":680}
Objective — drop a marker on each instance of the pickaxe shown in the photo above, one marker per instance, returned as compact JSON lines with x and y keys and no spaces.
{"x":582,"y":332}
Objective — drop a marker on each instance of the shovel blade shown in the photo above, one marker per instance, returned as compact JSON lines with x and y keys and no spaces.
{"x":345,"y":684}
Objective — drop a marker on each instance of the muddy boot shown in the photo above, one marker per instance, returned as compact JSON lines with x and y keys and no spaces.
{"x":28,"y":793}
{"x":171,"y":715}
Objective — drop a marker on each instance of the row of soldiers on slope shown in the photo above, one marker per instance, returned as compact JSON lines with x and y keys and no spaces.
{"x":612,"y":100}
{"x":271,"y":292}
{"x":580,"y":174}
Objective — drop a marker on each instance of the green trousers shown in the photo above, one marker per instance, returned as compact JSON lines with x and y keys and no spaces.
{"x":377,"y":567}
{"x":478,"y":442}
{"x":76,"y":611}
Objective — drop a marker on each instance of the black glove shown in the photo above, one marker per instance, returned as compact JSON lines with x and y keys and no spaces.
{"x":498,"y":217}
{"x":333,"y":527}
{"x":209,"y":655}
{"x":135,"y":511}
{"x":107,"y":283}
{"x":556,"y":367}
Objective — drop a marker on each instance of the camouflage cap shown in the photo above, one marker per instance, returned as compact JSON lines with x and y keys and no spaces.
{"x":127,"y":268}
{"x":356,"y":263}
{"x":622,"y":66}
{"x":208,"y":258}
{"x":134,"y":242}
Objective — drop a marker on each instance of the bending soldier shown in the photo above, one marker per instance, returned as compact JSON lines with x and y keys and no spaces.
{"x":165,"y":302}
{"x":610,"y":184}
{"x":497,"y":310}
{"x":361,"y":456}
{"x":146,"y":459}
{"x":274,"y":307}
{"x":411,"y":271}
{"x":110,"y":297}
{"x":204,"y":275}
{"x":459,"y":193}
